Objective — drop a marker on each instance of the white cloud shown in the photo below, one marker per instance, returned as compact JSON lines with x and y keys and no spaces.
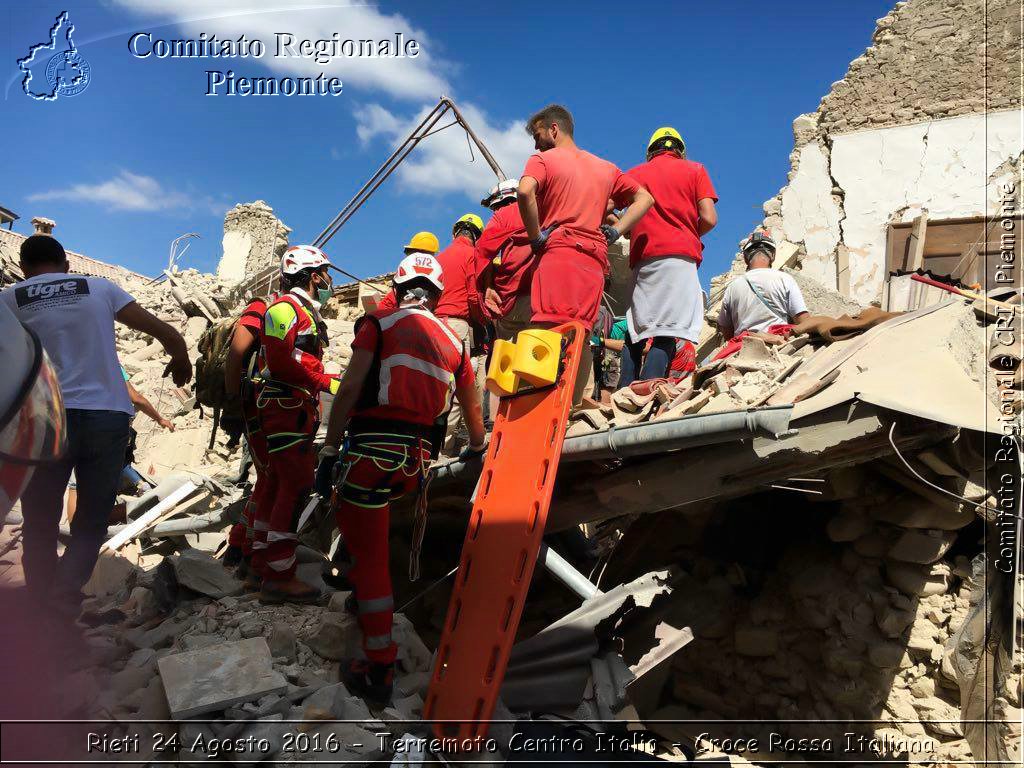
{"x":418,"y":78}
{"x":129,"y":191}
{"x":442,"y":162}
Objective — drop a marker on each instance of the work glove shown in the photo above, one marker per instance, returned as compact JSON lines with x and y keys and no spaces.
{"x":611,"y":234}
{"x":324,"y":482}
{"x":472,"y":452}
{"x":538,"y":243}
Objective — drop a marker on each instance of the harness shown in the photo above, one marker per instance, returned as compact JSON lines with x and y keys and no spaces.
{"x":393,"y":451}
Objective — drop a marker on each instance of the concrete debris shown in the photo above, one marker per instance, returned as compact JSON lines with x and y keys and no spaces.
{"x":204,"y":574}
{"x":215,"y":678}
{"x":336,"y":636}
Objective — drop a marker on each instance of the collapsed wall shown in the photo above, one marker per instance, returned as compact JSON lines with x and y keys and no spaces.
{"x":927,"y":119}
{"x":835,"y":620}
{"x":254,"y":240}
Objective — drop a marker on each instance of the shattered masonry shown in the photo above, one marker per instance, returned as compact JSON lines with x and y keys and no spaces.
{"x":904,"y":131}
{"x":862,"y":602}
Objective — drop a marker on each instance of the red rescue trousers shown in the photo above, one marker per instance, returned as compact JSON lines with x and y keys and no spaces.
{"x":567,"y":285}
{"x":244,"y":534}
{"x":289,"y":425}
{"x":378,"y":468}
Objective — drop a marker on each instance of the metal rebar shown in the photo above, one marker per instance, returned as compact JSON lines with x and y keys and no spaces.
{"x":476,"y":140}
{"x":385,"y":169}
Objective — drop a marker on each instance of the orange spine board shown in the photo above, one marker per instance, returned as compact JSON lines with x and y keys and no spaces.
{"x":500,"y":552}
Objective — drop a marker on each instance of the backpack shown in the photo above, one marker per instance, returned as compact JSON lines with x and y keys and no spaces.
{"x":214,"y":345}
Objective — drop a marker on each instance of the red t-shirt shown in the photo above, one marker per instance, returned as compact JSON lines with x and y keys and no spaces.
{"x":456,"y":270}
{"x":573,"y":189}
{"x":669,"y":228}
{"x":505,"y":234}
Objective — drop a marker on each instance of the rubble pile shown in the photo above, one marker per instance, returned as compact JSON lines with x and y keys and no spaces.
{"x":853,"y":615}
{"x":760,"y":373}
{"x":181,"y":642}
{"x":187,"y":304}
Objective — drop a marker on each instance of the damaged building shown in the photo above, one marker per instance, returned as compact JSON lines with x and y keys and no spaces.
{"x":796,"y":554}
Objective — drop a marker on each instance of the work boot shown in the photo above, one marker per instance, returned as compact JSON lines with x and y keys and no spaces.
{"x":232,"y":556}
{"x":242,"y":571}
{"x":368,"y":680}
{"x":252,"y":581}
{"x":290,"y":590}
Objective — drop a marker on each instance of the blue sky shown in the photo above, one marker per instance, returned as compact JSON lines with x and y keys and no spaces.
{"x":143,"y":155}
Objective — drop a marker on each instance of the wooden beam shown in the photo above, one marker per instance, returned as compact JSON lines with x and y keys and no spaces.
{"x":915,"y":246}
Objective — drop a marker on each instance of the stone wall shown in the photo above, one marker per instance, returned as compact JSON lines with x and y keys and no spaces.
{"x":927,"y":60}
{"x":816,"y":615}
{"x":904,"y":131}
{"x":254,"y":239}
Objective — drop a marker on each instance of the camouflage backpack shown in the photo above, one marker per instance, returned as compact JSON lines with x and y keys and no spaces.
{"x":214,"y":345}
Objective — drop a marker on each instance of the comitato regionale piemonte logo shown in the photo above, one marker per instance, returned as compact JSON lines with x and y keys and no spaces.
{"x":66,"y":72}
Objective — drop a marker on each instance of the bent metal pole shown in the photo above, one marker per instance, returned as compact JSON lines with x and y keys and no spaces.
{"x":420,"y":132}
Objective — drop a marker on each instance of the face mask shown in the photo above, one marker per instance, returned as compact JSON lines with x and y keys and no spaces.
{"x":323,"y":295}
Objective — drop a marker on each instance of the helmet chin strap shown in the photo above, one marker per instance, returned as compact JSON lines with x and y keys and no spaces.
{"x":419,"y":296}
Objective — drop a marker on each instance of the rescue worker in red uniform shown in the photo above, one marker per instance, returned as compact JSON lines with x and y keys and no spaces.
{"x":563,"y":197}
{"x":293,"y":338}
{"x":406,"y":365}
{"x":421,"y":242}
{"x":239,"y":367}
{"x":504,"y":263}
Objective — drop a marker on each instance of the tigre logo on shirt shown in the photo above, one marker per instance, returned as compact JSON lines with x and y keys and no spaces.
{"x":56,"y":292}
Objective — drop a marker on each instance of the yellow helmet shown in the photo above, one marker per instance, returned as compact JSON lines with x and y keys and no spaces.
{"x":666,"y":138}
{"x":469,"y":220}
{"x":426,"y":242}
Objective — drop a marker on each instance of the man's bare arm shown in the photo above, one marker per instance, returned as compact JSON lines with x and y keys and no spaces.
{"x":641,"y":203}
{"x":707,"y":215}
{"x":242,"y":341}
{"x":141,"y":403}
{"x":143,"y":321}
{"x":615,"y":345}
{"x":472,"y":415}
{"x":526,"y":197}
{"x":351,"y":385}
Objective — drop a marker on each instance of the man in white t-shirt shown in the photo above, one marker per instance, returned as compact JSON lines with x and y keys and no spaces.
{"x":73,"y":316}
{"x":763,"y":299}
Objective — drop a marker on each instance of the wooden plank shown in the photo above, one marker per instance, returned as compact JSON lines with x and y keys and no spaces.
{"x":915,"y":246}
{"x":162,"y":509}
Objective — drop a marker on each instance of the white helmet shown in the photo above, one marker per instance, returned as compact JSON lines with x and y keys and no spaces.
{"x":760,"y":240}
{"x":299,"y":257}
{"x":419,"y":265}
{"x":502,"y":191}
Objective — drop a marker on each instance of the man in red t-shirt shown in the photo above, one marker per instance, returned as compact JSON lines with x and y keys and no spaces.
{"x":504,"y":263}
{"x":665,"y":251}
{"x":563,"y":196}
{"x":458,"y":302}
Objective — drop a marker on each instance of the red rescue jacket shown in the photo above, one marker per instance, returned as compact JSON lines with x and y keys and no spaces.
{"x":293,"y":338}
{"x":418,"y":363}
